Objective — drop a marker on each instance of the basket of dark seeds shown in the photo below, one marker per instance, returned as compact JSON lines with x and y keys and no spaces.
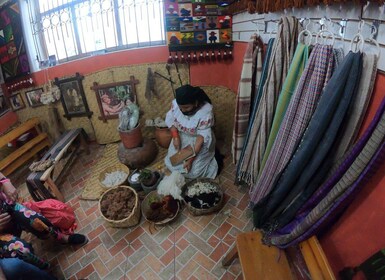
{"x":203,"y":196}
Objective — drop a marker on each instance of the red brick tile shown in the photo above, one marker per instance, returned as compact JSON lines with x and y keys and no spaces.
{"x":130,"y":237}
{"x":137,"y":270}
{"x":154,"y":263}
{"x":83,"y":274}
{"x":118,"y":247}
{"x":168,"y":257}
{"x":213,"y":240}
{"x":100,"y":267}
{"x":93,"y":209}
{"x":217,"y":254}
{"x":204,"y":261}
{"x":222,"y":230}
{"x":96,"y":232}
{"x":187,"y":270}
{"x":182,"y":244}
{"x":72,"y":258}
{"x":115,"y":261}
{"x":167,"y":244}
{"x":63,"y":261}
{"x":180,"y":232}
{"x":136,"y":245}
{"x":103,"y":253}
{"x":92,"y":245}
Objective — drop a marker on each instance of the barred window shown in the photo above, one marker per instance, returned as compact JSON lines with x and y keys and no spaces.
{"x":68,"y":29}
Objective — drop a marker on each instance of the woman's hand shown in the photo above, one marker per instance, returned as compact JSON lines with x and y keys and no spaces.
{"x":176,"y":142}
{"x":10,"y":191}
{"x":188,"y":164}
{"x":175,"y":138}
{"x":5,"y":218}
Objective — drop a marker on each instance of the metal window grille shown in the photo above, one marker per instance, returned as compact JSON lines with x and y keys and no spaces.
{"x":64,"y":30}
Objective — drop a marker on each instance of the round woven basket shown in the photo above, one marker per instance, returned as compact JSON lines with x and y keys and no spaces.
{"x":131,"y":220}
{"x":114,"y":168}
{"x":146,"y":205}
{"x":197,"y":211}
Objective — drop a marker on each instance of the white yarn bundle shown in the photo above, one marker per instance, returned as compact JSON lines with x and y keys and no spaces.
{"x":172,"y":185}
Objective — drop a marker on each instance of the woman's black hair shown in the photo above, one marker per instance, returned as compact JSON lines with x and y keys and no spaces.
{"x":188,"y":94}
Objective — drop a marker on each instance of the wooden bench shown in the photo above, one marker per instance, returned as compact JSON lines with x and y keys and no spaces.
{"x":43,"y":185}
{"x":24,"y":153}
{"x":259,"y":261}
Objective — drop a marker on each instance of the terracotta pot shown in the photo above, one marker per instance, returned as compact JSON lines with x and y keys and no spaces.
{"x":139,"y":157}
{"x":163,"y":136}
{"x":131,"y":138}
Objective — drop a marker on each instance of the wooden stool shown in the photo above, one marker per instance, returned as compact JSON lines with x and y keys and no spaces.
{"x":259,"y":261}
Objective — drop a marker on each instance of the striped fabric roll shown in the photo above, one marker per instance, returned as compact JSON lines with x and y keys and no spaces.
{"x":298,"y":114}
{"x":243,"y":101}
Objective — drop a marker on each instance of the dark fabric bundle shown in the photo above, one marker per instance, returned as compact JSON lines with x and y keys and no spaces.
{"x":315,"y":143}
{"x":333,"y":197}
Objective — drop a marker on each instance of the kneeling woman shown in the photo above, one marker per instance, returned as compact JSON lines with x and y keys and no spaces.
{"x":190,"y":120}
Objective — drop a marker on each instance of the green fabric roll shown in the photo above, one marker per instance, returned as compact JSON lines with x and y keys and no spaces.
{"x":297,"y":66}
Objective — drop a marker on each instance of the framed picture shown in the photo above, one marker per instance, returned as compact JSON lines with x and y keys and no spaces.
{"x":112,"y":98}
{"x":34,"y":97}
{"x":3,"y":104}
{"x":16,"y":102}
{"x":72,"y":97}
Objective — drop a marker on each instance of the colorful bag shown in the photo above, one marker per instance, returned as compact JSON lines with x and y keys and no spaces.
{"x":58,"y":213}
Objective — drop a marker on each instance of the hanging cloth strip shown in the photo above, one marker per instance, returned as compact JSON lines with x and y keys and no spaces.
{"x":357,"y":168}
{"x":243,"y":160}
{"x":242,"y":107}
{"x":316,"y":143}
{"x":299,"y":111}
{"x":258,"y":57}
{"x":282,"y":54}
{"x":358,"y":108}
{"x":297,"y":66}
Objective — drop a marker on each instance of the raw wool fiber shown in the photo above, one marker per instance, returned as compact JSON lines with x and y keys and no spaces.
{"x":92,"y":189}
{"x":106,"y":132}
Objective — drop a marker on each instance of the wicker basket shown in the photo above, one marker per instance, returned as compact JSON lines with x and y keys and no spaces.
{"x":131,"y":220}
{"x":114,"y":168}
{"x":196,"y":211}
{"x":146,"y":205}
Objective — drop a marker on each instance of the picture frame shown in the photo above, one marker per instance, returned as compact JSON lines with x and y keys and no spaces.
{"x":72,"y":97}
{"x":16,"y":102}
{"x":4,"y":107}
{"x":34,"y":97}
{"x":107,"y":96}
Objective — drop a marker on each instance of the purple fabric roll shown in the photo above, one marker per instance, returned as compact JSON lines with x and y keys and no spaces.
{"x":346,"y":198}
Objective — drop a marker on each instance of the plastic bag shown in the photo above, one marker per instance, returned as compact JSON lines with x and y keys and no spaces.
{"x":58,"y":213}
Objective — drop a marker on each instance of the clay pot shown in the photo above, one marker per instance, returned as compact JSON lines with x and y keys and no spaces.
{"x":131,"y":138}
{"x":163,"y":136}
{"x":139,"y":157}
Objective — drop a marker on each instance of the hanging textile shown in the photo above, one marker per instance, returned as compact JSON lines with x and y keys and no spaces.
{"x":359,"y":106}
{"x":282,"y":54}
{"x":295,"y":71}
{"x":299,"y":111}
{"x":244,"y":160}
{"x":338,"y":55}
{"x":357,"y":168}
{"x":242,"y":107}
{"x":315,"y":144}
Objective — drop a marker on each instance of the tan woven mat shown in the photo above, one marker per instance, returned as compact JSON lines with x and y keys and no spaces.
{"x":92,"y":189}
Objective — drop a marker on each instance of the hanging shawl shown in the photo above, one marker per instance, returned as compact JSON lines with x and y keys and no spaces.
{"x":290,"y":191}
{"x":359,"y":106}
{"x":296,"y":68}
{"x":242,"y":163}
{"x":242,"y":107}
{"x":352,"y":174}
{"x":299,"y":111}
{"x":282,"y":54}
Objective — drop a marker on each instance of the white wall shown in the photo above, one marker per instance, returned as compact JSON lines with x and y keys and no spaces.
{"x":243,"y":27}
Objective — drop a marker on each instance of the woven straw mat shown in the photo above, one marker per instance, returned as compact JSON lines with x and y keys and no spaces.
{"x":92,"y":189}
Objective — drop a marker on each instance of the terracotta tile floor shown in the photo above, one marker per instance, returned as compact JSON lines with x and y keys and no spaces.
{"x":189,"y":248}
